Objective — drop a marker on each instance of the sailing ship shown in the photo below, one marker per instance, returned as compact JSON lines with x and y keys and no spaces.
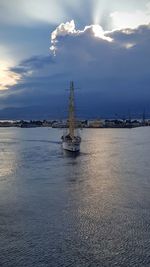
{"x":71,"y":139}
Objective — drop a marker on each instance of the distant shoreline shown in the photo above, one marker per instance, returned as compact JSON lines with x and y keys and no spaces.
{"x":95,"y":123}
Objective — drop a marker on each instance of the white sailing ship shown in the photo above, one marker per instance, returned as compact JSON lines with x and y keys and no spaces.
{"x":71,"y":139}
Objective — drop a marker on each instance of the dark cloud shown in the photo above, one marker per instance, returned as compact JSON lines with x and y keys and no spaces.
{"x":114,"y":76}
{"x":32,"y":64}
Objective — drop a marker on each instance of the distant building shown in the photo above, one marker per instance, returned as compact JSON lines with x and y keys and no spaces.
{"x":59,"y":124}
{"x":95,"y":123}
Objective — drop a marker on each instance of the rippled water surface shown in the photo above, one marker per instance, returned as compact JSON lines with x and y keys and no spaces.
{"x":89,"y":210}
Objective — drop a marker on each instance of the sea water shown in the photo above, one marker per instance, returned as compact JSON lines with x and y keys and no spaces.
{"x":90,"y":209}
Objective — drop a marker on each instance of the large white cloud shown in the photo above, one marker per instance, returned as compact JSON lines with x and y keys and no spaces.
{"x":69,"y":29}
{"x":113,"y":73}
{"x":21,"y":12}
{"x":83,"y":55}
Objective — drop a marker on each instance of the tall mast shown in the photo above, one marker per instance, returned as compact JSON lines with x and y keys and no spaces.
{"x":71,"y":111}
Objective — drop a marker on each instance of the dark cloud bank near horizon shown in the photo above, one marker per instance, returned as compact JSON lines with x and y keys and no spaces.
{"x":113,"y":77}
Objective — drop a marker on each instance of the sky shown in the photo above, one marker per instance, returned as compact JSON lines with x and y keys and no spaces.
{"x":102,"y":45}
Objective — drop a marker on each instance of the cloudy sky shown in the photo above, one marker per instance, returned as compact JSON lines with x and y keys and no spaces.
{"x":102,"y":45}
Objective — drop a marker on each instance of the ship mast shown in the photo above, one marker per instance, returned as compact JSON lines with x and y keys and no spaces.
{"x":71,"y":111}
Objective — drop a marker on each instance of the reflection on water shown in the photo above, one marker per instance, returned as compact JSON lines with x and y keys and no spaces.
{"x":88,"y":209}
{"x":7,"y":159}
{"x":71,"y":154}
{"x":8,"y":155}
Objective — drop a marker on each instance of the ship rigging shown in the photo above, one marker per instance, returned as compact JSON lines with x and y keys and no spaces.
{"x":71,"y":140}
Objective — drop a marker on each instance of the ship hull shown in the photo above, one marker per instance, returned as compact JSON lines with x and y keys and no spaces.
{"x":70,"y":146}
